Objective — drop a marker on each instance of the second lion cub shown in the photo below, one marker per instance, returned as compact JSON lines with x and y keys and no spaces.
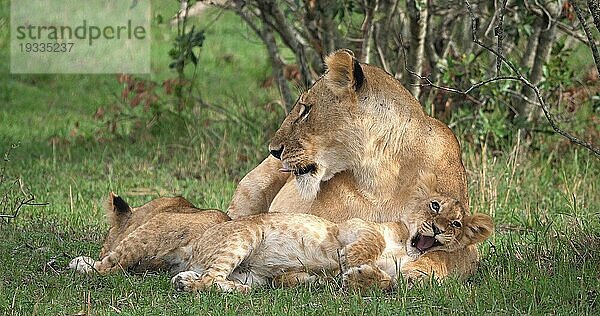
{"x":154,"y":236}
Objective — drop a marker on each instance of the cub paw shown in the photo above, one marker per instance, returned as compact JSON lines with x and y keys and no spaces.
{"x":230,"y":286}
{"x":243,"y":288}
{"x":82,"y":264}
{"x":343,"y":257}
{"x":419,"y":277}
{"x":184,"y":281}
{"x":364,"y":277}
{"x":293,"y":279}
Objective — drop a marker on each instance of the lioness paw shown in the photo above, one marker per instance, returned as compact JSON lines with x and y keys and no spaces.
{"x":415,"y":276}
{"x":184,"y":281}
{"x":83,"y":264}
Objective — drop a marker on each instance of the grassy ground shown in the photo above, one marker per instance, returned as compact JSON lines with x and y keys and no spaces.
{"x":543,"y":258}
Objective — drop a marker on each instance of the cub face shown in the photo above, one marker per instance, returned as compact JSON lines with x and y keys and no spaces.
{"x":443,"y":224}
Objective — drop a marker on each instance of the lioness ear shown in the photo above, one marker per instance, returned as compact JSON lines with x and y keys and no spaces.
{"x":117,"y":209}
{"x":344,"y":72}
{"x":478,"y":227}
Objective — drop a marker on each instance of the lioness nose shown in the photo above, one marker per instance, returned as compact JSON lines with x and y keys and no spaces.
{"x":276,"y":152}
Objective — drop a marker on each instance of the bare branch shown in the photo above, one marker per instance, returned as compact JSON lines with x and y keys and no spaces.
{"x":266,"y":35}
{"x":379,"y":49}
{"x":11,"y":205}
{"x":595,"y":10}
{"x":275,"y":17}
{"x":526,"y":82}
{"x":588,"y":34}
{"x":14,"y":196}
{"x":278,"y":66}
{"x":499,"y":30}
{"x":569,"y":30}
{"x":271,"y":14}
{"x":417,"y":12}
{"x":367,"y":28}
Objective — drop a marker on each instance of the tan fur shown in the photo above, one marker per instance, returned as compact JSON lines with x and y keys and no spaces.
{"x":153,"y":236}
{"x":449,"y":227}
{"x":363,"y":144}
{"x":287,"y":249}
{"x":472,"y":229}
{"x":294,"y":248}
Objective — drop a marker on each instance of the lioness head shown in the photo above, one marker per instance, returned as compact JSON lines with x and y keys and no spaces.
{"x":316,"y":139}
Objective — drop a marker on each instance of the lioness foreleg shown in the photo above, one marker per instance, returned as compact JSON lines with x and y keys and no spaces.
{"x":257,"y":189}
{"x":440,"y":264}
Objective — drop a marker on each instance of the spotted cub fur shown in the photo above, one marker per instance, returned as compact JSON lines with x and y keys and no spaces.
{"x":154,"y":236}
{"x":291,"y":248}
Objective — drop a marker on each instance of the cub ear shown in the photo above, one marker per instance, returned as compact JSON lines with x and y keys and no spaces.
{"x":478,"y":227}
{"x":344,"y":72}
{"x":117,"y":209}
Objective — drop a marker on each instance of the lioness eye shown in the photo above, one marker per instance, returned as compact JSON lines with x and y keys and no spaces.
{"x":456,"y":224}
{"x":435,"y":206}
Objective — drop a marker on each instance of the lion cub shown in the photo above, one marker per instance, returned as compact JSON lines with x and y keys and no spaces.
{"x":153,"y":236}
{"x":288,"y":248}
{"x":292,"y":248}
{"x":440,"y":224}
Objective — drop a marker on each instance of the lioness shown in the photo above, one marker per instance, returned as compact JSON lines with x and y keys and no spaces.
{"x":353,"y":146}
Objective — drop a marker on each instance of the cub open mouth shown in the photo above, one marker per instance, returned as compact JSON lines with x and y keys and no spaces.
{"x":424,"y":243}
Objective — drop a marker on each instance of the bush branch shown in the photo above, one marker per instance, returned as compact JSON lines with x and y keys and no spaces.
{"x":519,"y":76}
{"x":588,"y":34}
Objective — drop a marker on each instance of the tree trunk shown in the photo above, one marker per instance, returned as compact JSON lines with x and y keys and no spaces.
{"x":278,"y":66}
{"x":529,"y":53}
{"x":367,"y":27}
{"x":318,"y":20}
{"x":595,"y":10}
{"x":273,"y":15}
{"x":417,"y":13}
{"x":547,"y":34}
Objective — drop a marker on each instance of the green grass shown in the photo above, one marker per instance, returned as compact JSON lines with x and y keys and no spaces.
{"x":543,"y":258}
